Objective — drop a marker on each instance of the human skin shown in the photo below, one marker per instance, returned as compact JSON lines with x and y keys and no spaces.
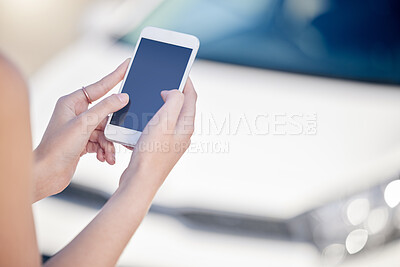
{"x":73,"y":131}
{"x":17,"y":231}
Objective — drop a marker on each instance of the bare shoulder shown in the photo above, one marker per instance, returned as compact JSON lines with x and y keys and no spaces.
{"x":14,"y":114}
{"x":13,"y":88}
{"x":16,"y":220}
{"x":14,"y":108}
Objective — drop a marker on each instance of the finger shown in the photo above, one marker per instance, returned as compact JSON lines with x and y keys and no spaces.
{"x":89,"y":148}
{"x":102,"y":87}
{"x":185,"y":123}
{"x":111,"y":153}
{"x":92,"y":147}
{"x":169,"y":112}
{"x":100,"y":154}
{"x":91,"y":119}
{"x":107,"y":146}
{"x":94,"y":137}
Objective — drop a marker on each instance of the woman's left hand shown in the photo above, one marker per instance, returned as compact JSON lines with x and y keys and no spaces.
{"x":75,"y":130}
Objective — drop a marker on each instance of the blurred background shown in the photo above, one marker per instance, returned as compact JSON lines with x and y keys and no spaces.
{"x":296,"y":156}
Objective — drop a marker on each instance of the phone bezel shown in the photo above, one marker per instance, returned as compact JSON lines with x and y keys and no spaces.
{"x":128,"y":136}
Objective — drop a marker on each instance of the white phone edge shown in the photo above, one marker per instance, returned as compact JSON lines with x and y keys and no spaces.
{"x":130,"y":137}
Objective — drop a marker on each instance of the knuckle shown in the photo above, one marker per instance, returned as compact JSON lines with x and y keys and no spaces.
{"x":62,"y":100}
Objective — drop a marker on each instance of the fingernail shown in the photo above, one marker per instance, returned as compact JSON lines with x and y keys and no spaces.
{"x":164,"y":93}
{"x":124,"y":98}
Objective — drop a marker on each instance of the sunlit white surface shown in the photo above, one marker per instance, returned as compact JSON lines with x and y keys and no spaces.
{"x":164,"y":241}
{"x":357,"y":210}
{"x":356,"y":240}
{"x":392,"y":193}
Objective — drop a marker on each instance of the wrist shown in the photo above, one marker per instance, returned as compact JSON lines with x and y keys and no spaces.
{"x":38,"y":176}
{"x":42,"y":186}
{"x":141,"y":181}
{"x":136,"y":193}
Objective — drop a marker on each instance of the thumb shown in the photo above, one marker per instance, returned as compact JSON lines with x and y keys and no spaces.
{"x":91,"y":118}
{"x":172,"y":107}
{"x":165,"y":94}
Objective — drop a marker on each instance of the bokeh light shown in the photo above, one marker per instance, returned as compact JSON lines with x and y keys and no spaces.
{"x":377,"y":220}
{"x":333,"y":254}
{"x":357,"y":211}
{"x":356,"y":241}
{"x":392,"y":193}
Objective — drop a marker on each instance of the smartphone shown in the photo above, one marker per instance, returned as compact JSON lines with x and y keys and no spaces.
{"x":161,"y":61}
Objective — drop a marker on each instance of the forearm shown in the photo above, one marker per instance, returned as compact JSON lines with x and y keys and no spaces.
{"x":103,"y":240}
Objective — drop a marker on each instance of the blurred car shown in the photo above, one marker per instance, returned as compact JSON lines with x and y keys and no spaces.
{"x":277,"y":162}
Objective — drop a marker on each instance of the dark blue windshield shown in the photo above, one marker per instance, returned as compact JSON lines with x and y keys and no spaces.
{"x":355,"y":39}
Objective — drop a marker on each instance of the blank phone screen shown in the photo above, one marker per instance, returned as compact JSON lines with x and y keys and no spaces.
{"x":157,"y":66}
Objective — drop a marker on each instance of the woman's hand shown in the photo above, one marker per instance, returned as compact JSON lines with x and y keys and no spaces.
{"x":103,"y":240}
{"x":74,"y":131}
{"x":163,"y":141}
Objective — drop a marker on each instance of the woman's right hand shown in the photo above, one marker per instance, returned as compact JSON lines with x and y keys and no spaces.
{"x":163,"y":141}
